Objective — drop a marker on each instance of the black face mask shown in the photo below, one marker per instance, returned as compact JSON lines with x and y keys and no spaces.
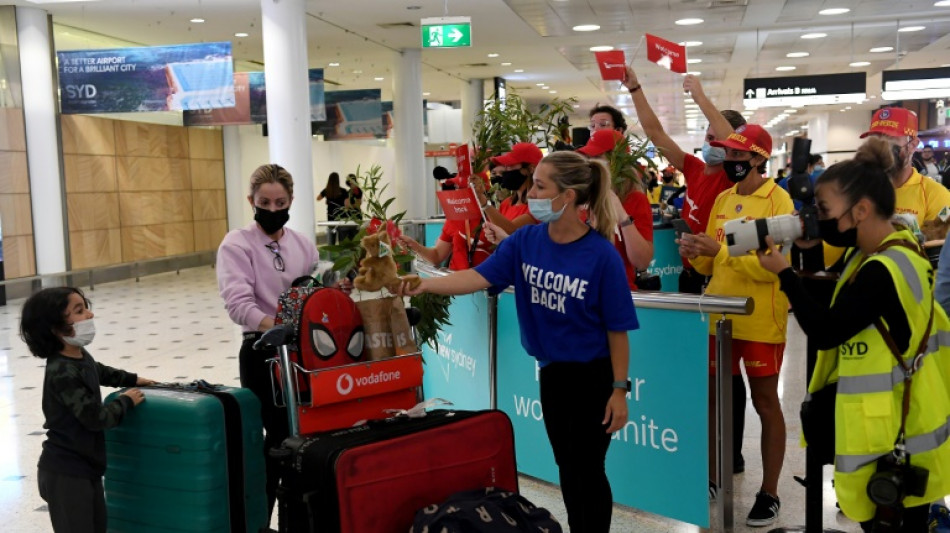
{"x":512,"y":179}
{"x":667,"y":179}
{"x":654,"y":183}
{"x":737,"y":171}
{"x":271,"y":221}
{"x":828,"y":231}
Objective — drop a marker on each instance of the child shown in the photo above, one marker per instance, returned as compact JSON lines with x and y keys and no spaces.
{"x":56,"y":324}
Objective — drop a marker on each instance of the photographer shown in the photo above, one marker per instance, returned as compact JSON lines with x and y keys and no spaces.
{"x":882,"y":309}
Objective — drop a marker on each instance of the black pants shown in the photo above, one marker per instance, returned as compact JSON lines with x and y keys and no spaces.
{"x":915,"y":520}
{"x":76,"y":505}
{"x":692,"y":282}
{"x":573,"y":399}
{"x":255,"y":375}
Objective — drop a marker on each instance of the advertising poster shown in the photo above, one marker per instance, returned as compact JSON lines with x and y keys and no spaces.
{"x":251,"y":102}
{"x":388,"y":118}
{"x":356,"y":114}
{"x":158,"y":78}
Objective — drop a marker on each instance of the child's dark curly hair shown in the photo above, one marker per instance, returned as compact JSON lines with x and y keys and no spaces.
{"x":43,"y":314}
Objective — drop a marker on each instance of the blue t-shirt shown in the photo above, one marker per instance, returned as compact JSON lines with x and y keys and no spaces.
{"x":568,"y":296}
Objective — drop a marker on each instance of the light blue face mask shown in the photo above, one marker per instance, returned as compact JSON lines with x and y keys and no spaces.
{"x":540,"y":208}
{"x":713,"y":155}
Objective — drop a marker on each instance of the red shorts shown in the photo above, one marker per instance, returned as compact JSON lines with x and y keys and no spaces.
{"x":761,"y":359}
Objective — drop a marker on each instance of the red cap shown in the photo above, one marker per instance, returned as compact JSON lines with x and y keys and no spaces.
{"x":520,"y":153}
{"x":748,"y":138}
{"x":601,"y":142}
{"x":893,"y":122}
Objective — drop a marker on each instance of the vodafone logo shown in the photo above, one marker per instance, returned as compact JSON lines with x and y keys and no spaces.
{"x":344,"y":384}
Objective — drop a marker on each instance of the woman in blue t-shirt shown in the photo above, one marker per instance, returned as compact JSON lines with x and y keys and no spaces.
{"x":574,"y":310}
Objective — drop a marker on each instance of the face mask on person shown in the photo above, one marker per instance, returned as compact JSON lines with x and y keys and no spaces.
{"x":713,"y":155}
{"x":829,"y":232}
{"x":512,"y":179}
{"x":667,"y":179}
{"x":84,"y":331}
{"x":540,"y":208}
{"x":819,"y":169}
{"x":271,"y":221}
{"x":737,"y":171}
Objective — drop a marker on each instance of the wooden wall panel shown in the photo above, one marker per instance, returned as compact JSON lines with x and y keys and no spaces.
{"x":12,"y":129}
{"x":89,"y":173}
{"x":14,"y":173}
{"x":209,"y":233}
{"x":157,"y":240}
{"x":140,"y":209}
{"x":94,"y":248}
{"x":134,"y":139}
{"x":205,"y":143}
{"x":207,"y":174}
{"x":16,"y":214}
{"x":92,"y":211}
{"x":209,"y":205}
{"x":152,"y":174}
{"x":19,"y":258}
{"x":88,"y":135}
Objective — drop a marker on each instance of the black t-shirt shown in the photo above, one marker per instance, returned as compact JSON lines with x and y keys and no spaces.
{"x":870,"y":295}
{"x":355,"y":195}
{"x":334,"y":204}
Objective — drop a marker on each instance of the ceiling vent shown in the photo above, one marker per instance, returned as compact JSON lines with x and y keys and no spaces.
{"x":331,"y":82}
{"x":396,"y":25}
{"x":475,"y":65}
{"x":728,"y":3}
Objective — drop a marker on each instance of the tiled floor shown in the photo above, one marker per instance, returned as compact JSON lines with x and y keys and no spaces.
{"x":174,"y":328}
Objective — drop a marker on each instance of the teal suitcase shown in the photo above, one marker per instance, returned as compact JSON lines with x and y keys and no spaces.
{"x":188,"y":459}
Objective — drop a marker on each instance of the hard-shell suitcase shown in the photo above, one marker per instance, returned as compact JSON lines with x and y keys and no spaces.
{"x":373,"y":478}
{"x":188,"y":459}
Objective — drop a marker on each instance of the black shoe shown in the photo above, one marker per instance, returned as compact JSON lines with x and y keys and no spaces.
{"x":738,"y":465}
{"x":765,"y":510}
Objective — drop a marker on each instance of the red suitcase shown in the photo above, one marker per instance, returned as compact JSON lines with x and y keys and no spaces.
{"x":373,"y":478}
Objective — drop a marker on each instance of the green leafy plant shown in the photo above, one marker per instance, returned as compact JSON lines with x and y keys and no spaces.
{"x":502,"y":123}
{"x":629,"y":154}
{"x":347,"y":254}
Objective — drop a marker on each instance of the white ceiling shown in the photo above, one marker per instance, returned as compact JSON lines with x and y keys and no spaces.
{"x":741,"y":39}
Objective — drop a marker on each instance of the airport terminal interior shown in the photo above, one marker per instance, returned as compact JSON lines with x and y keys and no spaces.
{"x":98,"y":189}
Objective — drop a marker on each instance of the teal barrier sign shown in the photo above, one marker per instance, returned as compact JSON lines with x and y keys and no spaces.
{"x":667,"y":262}
{"x":459,"y":371}
{"x":658,"y":461}
{"x":433,"y":230}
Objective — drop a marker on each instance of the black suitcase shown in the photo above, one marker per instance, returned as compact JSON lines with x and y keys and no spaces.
{"x":373,"y":478}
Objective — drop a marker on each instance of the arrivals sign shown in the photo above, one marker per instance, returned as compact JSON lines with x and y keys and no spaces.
{"x":805,"y":90}
{"x":446,"y":32}
{"x":157,"y":78}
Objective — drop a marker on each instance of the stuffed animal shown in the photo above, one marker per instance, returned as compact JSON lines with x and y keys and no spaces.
{"x":378,"y":268}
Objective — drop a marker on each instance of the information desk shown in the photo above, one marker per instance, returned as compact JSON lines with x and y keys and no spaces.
{"x":659,"y":461}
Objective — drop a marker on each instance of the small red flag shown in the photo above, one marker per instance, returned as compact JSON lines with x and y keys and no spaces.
{"x":460,"y":204}
{"x":666,"y":54}
{"x":462,"y":161}
{"x":612,"y":64}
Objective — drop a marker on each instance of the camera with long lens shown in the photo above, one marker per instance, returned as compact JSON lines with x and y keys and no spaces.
{"x":743,"y":236}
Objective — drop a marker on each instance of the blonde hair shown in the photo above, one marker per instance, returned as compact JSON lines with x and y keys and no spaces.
{"x":271,"y":173}
{"x":590,"y":180}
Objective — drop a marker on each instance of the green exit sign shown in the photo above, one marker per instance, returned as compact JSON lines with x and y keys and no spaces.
{"x":446,"y":32}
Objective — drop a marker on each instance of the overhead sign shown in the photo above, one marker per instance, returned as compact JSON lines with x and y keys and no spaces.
{"x":157,"y":78}
{"x":915,"y":83}
{"x":446,"y":32}
{"x":805,"y":90}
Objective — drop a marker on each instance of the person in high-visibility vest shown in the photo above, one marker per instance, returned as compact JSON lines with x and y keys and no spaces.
{"x":883,"y":309}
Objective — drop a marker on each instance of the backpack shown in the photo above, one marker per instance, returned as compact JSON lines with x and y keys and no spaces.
{"x":485,"y":510}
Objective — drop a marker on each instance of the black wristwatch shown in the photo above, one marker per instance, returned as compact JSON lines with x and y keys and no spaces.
{"x":628,"y":222}
{"x":625,"y":385}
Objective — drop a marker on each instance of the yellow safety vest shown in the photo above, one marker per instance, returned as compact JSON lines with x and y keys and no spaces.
{"x":871,"y":387}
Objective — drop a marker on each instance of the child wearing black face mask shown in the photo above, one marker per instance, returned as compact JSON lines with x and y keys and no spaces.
{"x":255,"y":264}
{"x":883,"y":310}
